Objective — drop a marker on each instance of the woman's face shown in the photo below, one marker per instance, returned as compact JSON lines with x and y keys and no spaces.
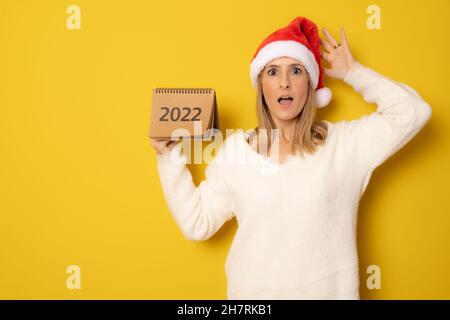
{"x":284,"y":77}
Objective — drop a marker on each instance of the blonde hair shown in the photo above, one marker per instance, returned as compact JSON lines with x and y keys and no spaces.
{"x":308,"y":134}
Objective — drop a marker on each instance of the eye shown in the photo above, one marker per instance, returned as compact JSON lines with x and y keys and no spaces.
{"x":270,"y":72}
{"x":297,"y":69}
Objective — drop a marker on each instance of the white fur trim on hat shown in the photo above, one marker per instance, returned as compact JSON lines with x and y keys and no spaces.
{"x":285,"y":48}
{"x":323,"y":97}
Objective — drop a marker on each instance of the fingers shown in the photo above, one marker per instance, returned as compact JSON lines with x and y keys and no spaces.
{"x":330,"y":45}
{"x":172,"y":144}
{"x":333,"y":42}
{"x":156,"y":144}
{"x":324,"y":55}
{"x":162,"y":146}
{"x":343,"y":37}
{"x":326,"y":44}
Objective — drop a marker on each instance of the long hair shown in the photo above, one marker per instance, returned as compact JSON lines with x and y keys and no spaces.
{"x":308,"y":134}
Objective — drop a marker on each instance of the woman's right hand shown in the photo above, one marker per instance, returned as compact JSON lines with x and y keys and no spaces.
{"x":163,"y":146}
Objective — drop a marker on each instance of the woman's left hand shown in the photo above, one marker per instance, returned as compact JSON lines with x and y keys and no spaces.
{"x":339,"y":57}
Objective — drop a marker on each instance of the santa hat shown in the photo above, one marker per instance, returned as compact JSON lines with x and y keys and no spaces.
{"x":299,"y":40}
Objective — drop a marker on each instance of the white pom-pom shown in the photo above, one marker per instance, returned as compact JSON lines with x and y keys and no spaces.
{"x":323,"y":97}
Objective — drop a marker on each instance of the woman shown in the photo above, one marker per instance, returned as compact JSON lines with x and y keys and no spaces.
{"x":297,"y":227}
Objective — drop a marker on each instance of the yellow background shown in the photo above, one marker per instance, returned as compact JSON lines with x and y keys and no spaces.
{"x":78,"y":178}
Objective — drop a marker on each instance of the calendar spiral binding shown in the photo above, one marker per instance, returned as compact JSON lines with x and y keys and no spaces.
{"x":183,"y":90}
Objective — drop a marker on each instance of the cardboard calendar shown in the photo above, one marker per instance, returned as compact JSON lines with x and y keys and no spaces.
{"x":189,"y":113}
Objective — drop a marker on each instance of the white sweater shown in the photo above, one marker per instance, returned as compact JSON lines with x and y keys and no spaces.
{"x":296,"y":236}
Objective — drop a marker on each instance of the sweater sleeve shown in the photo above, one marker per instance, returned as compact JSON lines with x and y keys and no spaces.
{"x":198,"y":211}
{"x":400,"y":115}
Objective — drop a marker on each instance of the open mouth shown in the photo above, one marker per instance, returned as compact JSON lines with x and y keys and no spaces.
{"x":285,"y":100}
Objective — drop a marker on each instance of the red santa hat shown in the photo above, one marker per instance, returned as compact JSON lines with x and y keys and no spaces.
{"x":299,"y":40}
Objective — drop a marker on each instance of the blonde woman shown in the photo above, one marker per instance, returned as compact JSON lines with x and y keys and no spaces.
{"x":296,"y":236}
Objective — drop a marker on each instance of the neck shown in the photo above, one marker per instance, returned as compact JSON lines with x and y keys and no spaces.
{"x":286,"y":129}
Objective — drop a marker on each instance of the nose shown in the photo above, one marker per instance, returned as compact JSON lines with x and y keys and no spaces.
{"x":284,"y":82}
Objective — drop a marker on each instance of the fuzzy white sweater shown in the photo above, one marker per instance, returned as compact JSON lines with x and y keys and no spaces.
{"x":296,"y":236}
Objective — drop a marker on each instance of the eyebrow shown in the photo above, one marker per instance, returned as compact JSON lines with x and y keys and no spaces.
{"x":293,"y":64}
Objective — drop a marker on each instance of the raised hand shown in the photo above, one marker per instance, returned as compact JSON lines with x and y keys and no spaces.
{"x":338,"y":55}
